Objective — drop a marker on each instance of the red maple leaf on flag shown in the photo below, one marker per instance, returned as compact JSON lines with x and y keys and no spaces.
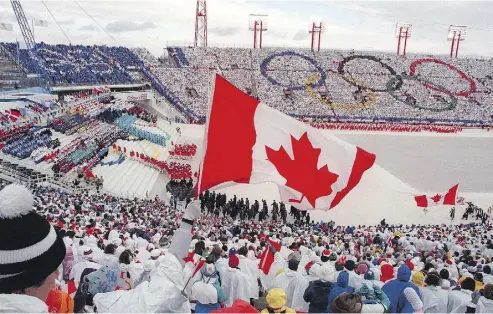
{"x":301,"y":172}
{"x":436,"y":198}
{"x":189,"y":258}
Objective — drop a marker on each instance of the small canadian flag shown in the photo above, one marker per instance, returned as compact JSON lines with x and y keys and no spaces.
{"x":448,"y":198}
{"x":250,"y":142}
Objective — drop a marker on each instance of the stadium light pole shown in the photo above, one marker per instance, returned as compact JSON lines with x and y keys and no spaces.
{"x":316,"y":29}
{"x":258,"y":23}
{"x":201,"y":24}
{"x":456,"y":34}
{"x":402,"y":31}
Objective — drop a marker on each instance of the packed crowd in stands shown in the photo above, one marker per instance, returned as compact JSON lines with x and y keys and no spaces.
{"x":76,"y":64}
{"x":354,"y":86}
{"x":122,"y":255}
{"x":327,"y":85}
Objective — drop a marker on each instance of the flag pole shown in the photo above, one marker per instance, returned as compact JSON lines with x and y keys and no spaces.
{"x":204,"y":143}
{"x":32,"y":23}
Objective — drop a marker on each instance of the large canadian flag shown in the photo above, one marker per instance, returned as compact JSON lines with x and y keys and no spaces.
{"x":250,"y":142}
{"x":447,"y":198}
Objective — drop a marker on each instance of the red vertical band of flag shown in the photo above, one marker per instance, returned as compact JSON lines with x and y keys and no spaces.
{"x":362,"y":162}
{"x":230,"y":136}
{"x":267,"y":257}
{"x":451,"y":196}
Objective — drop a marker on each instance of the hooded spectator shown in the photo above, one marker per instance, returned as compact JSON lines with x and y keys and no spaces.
{"x":394,"y":290}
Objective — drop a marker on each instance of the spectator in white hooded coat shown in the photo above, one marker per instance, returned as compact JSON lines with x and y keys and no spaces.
{"x":235,"y":284}
{"x":435,"y":299}
{"x":250,"y":269}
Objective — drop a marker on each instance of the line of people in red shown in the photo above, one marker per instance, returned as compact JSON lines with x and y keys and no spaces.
{"x":175,"y":170}
{"x":387,"y":127}
{"x":184,"y":150}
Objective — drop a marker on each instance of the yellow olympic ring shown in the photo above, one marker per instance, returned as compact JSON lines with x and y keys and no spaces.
{"x":315,"y":78}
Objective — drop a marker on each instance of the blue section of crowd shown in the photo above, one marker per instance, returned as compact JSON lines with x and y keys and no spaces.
{"x":80,"y":64}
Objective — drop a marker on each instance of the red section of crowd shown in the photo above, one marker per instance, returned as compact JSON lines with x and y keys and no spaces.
{"x":175,"y":170}
{"x":186,"y":150}
{"x":386,"y":127}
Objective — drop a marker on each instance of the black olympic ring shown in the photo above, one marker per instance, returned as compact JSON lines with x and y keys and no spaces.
{"x":398,"y":82}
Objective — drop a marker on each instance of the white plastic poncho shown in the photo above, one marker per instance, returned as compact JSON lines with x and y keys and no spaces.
{"x":235,"y":285}
{"x":435,"y":299}
{"x":294,"y":284}
{"x":250,"y":269}
{"x":458,"y":300}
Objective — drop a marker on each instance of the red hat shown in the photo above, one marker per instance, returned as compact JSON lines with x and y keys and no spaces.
{"x":326,"y":253}
{"x":234,"y":261}
{"x":409,"y":264}
{"x":448,"y":262}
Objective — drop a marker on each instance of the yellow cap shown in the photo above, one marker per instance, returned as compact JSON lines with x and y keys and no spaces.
{"x":276,"y":298}
{"x":418,"y":279}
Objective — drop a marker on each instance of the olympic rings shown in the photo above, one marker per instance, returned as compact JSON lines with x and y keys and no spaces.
{"x":472,"y":84}
{"x":310,"y":91}
{"x":398,"y":82}
{"x":265,"y":63}
{"x":450,"y":105}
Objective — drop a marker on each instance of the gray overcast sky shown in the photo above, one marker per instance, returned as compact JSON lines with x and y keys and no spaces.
{"x":360,"y":25}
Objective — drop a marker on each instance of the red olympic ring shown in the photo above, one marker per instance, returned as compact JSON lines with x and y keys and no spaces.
{"x":472,"y":84}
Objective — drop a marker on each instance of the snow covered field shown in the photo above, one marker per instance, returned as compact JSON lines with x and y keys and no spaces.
{"x":407,"y":164}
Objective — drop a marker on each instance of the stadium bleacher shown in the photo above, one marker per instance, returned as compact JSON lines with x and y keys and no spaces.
{"x":336,"y":85}
{"x":80,"y":64}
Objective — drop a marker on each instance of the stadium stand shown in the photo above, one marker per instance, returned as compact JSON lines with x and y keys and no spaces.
{"x":330,"y":86}
{"x":336,"y":85}
{"x":80,"y":64}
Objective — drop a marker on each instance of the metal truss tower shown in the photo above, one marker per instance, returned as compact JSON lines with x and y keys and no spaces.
{"x":201,"y":24}
{"x":27,"y":33}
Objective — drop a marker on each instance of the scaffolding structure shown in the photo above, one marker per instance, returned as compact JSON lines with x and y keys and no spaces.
{"x":201,"y":24}
{"x":402,"y":31}
{"x":316,"y":30}
{"x":456,"y":34}
{"x":258,"y":23}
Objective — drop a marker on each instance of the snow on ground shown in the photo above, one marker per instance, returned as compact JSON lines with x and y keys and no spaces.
{"x":408,"y":164}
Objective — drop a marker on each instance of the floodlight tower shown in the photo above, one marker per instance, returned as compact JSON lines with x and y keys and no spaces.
{"x":316,"y":29}
{"x":258,"y":23}
{"x":456,"y":34}
{"x":201,"y":24}
{"x":402,"y":31}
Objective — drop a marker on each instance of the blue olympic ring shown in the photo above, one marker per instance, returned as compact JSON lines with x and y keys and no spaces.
{"x":266,"y":61}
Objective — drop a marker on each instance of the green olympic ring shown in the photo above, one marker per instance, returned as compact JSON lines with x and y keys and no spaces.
{"x":450,"y":105}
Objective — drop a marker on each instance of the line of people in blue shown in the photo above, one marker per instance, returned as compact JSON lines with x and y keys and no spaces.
{"x":125,"y":122}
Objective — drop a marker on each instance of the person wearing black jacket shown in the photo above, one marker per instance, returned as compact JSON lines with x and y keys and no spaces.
{"x":317,"y":293}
